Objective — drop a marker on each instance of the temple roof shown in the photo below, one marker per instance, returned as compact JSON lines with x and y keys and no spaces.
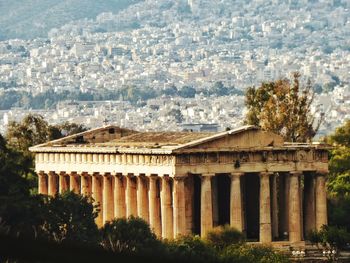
{"x":158,"y":139}
{"x":113,"y":139}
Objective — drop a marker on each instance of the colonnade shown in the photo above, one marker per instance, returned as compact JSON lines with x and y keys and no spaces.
{"x":161,"y":200}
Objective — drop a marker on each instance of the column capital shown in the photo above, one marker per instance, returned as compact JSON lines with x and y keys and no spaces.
{"x":107,"y":175}
{"x":179,"y":177}
{"x":207,"y":175}
{"x":236,"y":174}
{"x":322,"y":172}
{"x":266,"y":173}
{"x":118,"y":175}
{"x":62,"y":173}
{"x":152,"y":176}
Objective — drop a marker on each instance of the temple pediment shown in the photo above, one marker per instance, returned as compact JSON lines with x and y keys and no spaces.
{"x":245,"y":137}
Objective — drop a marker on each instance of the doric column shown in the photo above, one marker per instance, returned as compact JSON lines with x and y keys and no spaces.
{"x":236,"y":209}
{"x":294,"y":207}
{"x":52,"y":179}
{"x":86,"y":184}
{"x":179,"y":206}
{"x":154,"y":207}
{"x":43,"y":183}
{"x":206,"y":204}
{"x":309,"y":202}
{"x":74,"y":182}
{"x":119,"y":197}
{"x":108,"y":200}
{"x":97,"y":196}
{"x":142,"y":198}
{"x":321,"y":200}
{"x":166,"y":208}
{"x":131,"y":202}
{"x":265,"y":208}
{"x":63,"y":182}
{"x":274,"y":207}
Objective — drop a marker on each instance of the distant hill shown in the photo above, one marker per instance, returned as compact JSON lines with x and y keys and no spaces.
{"x":28,"y":19}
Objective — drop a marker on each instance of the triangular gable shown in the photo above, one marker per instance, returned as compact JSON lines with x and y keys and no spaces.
{"x":243,"y":137}
{"x":99,"y":135}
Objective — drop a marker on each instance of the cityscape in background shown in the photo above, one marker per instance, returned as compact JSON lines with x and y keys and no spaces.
{"x":178,"y":65}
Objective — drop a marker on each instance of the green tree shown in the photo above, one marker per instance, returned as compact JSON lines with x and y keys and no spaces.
{"x":338,"y":184}
{"x":339,"y":164}
{"x":132,"y":235}
{"x":191,"y":249}
{"x":18,"y":208}
{"x":330,"y":236}
{"x":65,"y":129}
{"x":219,"y":89}
{"x":32,"y":130}
{"x":70,"y":218}
{"x":283,"y":107}
{"x":187,"y":92}
{"x":224,"y":236}
{"x":251,"y":254}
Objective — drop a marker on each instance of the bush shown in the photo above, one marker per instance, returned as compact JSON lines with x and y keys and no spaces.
{"x":251,"y":254}
{"x":132,"y":235}
{"x":191,"y":249}
{"x":224,"y":236}
{"x":330,"y":236}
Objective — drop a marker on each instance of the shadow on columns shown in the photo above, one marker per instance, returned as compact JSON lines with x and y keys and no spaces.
{"x":251,"y":195}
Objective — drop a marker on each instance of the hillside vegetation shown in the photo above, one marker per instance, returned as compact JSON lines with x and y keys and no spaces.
{"x":34,"y":18}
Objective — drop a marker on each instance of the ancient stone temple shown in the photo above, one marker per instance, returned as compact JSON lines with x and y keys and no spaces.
{"x":188,"y":182}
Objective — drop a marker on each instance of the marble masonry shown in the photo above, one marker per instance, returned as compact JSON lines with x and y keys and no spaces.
{"x":189,"y":182}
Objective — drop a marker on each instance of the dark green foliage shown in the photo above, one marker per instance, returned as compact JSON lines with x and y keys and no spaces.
{"x":192,"y":249}
{"x":70,"y":218}
{"x":170,"y":91}
{"x":219,"y":89}
{"x":49,"y":99}
{"x":338,"y":184}
{"x":187,"y":92}
{"x":314,"y":237}
{"x":251,"y":254}
{"x":224,"y":236}
{"x":33,"y":130}
{"x":339,"y":212}
{"x":65,"y":129}
{"x":341,"y":136}
{"x":132,"y":235}
{"x":330,"y":236}
{"x":18,"y":209}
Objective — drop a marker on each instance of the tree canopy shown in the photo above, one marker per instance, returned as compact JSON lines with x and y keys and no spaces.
{"x":339,"y":164}
{"x":283,"y":107}
{"x":34,"y":129}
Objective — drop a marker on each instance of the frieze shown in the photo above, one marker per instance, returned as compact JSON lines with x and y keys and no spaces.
{"x":282,"y":156}
{"x":211,"y":158}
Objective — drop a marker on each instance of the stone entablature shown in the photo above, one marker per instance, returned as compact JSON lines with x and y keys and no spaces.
{"x":172,"y":180}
